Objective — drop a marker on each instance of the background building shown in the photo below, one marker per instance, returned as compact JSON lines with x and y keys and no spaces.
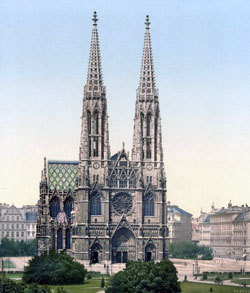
{"x":18,"y":223}
{"x":227,"y":231}
{"x":179,"y":224}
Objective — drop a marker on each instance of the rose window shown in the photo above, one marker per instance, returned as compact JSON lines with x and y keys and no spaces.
{"x":122,"y":203}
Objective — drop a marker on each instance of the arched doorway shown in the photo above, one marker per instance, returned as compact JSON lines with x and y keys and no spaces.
{"x":150,"y":252}
{"x":123,"y":246}
{"x":96,"y":250}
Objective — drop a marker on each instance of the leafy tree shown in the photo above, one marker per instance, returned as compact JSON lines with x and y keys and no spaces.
{"x":189,"y":250}
{"x":10,"y":247}
{"x":54,"y":268}
{"x":143,"y":277}
{"x":230,"y":275}
{"x":9,"y":286}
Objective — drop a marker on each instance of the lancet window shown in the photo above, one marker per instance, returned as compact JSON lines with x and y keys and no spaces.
{"x":67,"y":239}
{"x":148,"y":124}
{"x":123,"y":181}
{"x":149,"y":205}
{"x":132,"y":181}
{"x":54,"y":206}
{"x":113,"y":180}
{"x":68,"y":206}
{"x":95,"y":204}
{"x":59,"y":239}
{"x":96,"y":123}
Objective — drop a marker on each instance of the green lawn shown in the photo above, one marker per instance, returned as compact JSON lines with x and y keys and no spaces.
{"x":90,"y":286}
{"x":190,"y":287}
{"x":242,"y":281}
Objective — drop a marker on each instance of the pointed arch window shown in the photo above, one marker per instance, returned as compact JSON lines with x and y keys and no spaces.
{"x":132,"y":181}
{"x":103,"y":128}
{"x":95,"y":204}
{"x":148,"y":124}
{"x":149,"y":209}
{"x":95,"y":149}
{"x":156,"y":133}
{"x":113,"y":180}
{"x":54,"y":206}
{"x":142,"y":124}
{"x":96,"y":122}
{"x":68,"y":207}
{"x":148,"y":148}
{"x":53,"y":239}
{"x":59,"y":239}
{"x":67,"y":239}
{"x":89,"y":122}
{"x":123,"y":181}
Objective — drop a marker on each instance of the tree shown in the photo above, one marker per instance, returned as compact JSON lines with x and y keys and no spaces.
{"x":102,"y":283}
{"x":10,"y":247}
{"x":54,"y":268}
{"x":145,"y":277}
{"x":9,"y":286}
{"x":190,"y":250}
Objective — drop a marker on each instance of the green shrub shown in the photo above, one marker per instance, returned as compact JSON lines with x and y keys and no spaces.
{"x":204,"y":276}
{"x":230,"y":275}
{"x":145,"y":277}
{"x":89,"y":276}
{"x":102,"y":283}
{"x":54,"y":268}
{"x":9,"y":286}
{"x":218,"y":280}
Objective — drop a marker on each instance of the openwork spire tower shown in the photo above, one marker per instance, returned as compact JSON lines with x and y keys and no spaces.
{"x":94,"y":78}
{"x":147,"y":79}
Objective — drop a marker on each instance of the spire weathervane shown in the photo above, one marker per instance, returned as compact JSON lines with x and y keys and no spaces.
{"x":95,"y":19}
{"x":147,"y":22}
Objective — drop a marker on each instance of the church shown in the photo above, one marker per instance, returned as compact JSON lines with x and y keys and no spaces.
{"x":109,"y":208}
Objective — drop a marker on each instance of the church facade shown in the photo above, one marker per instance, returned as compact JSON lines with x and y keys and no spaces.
{"x":109,"y":208}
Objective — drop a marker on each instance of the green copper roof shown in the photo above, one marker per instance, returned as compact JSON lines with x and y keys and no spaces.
{"x":62,"y":174}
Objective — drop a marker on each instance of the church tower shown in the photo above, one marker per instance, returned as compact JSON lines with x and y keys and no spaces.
{"x":147,"y":138}
{"x":94,"y":142}
{"x":109,"y":209}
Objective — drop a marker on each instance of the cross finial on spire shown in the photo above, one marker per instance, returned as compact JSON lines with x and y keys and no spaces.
{"x":95,"y":19}
{"x":147,"y":22}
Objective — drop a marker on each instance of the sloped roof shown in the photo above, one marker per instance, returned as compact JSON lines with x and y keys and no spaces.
{"x":177,"y":210}
{"x":62,"y":174}
{"x":239,"y":218}
{"x":207,"y":219}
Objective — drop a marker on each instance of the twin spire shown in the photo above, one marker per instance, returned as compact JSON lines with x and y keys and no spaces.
{"x":94,"y":79}
{"x":147,"y":80}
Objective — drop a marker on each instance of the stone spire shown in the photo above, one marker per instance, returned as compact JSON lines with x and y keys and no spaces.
{"x":147,"y":139}
{"x":147,"y":80}
{"x":94,"y":79}
{"x":94,"y":141}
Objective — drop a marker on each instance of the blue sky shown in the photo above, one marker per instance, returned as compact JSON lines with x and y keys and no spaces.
{"x":202,"y":67}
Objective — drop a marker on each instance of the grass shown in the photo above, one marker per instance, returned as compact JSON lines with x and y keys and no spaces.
{"x":190,"y":287}
{"x":90,"y":286}
{"x":241,"y":281}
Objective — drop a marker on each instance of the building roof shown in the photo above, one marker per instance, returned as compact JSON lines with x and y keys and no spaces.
{"x":207,"y":219}
{"x":62,"y":174}
{"x":31,"y":216}
{"x":177,"y":210}
{"x":239,"y":218}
